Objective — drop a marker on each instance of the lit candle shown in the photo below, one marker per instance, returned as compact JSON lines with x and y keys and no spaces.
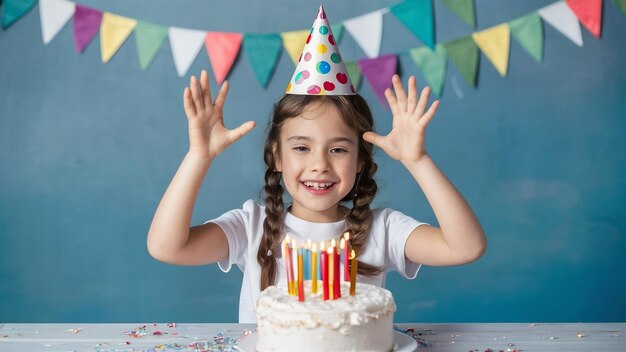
{"x":307,"y":261}
{"x":286,"y":260}
{"x":353,"y":273}
{"x":346,"y":254}
{"x":294,"y":258}
{"x":314,"y":268}
{"x":331,"y":268}
{"x":337,"y":277}
{"x":290,"y":277}
{"x":300,"y":276}
{"x":324,"y":262}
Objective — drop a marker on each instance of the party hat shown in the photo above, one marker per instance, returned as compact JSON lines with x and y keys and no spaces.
{"x":320,"y":70}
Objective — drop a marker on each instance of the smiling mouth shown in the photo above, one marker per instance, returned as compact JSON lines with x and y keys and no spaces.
{"x":318,"y":185}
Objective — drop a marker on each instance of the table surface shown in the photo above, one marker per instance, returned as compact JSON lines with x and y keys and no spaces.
{"x":158,"y":337}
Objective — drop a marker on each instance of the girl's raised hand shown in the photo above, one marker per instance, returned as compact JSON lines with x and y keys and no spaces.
{"x":406,"y":141}
{"x":208,"y":136}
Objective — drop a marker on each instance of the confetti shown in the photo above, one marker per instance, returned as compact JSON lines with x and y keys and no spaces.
{"x":580,"y":335}
{"x":75,"y":331}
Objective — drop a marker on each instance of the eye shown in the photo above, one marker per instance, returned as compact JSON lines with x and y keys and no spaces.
{"x":300,"y":149}
{"x":338,"y":150}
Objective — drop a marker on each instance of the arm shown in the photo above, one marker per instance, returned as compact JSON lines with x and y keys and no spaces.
{"x":170,"y":238}
{"x":460,"y":238}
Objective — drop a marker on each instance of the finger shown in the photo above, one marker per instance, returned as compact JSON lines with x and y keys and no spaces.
{"x":206,"y":89}
{"x":241,"y":131}
{"x":221,"y":95}
{"x":190,"y":109}
{"x":400,"y":93}
{"x":196,"y":94}
{"x":373,"y":138}
{"x":391,"y":100}
{"x":425,"y":120}
{"x":423,"y":102}
{"x":412,"y":98}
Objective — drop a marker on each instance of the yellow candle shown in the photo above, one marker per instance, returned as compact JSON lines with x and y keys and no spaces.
{"x":331,"y":254}
{"x":314,"y":268}
{"x":353,"y":273}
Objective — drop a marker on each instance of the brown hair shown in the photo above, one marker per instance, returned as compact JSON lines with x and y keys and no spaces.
{"x":356,"y":114}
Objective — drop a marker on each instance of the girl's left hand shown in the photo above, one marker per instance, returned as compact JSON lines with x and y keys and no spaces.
{"x":406,"y":141}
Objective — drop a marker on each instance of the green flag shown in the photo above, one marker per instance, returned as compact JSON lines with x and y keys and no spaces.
{"x":263,"y":51}
{"x":417,"y":16}
{"x":354,"y":73}
{"x":464,"y":9}
{"x":433,"y":65}
{"x":149,"y":38}
{"x":621,"y":4}
{"x":14,"y":10}
{"x":528,"y":31}
{"x":464,"y":55}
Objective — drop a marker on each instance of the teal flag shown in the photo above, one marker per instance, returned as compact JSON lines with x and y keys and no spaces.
{"x":464,"y":9}
{"x":433,"y":65}
{"x":528,"y":31}
{"x":14,"y":10}
{"x":417,"y":16}
{"x":464,"y":55}
{"x":263,"y":51}
{"x":354,"y":73}
{"x":149,"y":38}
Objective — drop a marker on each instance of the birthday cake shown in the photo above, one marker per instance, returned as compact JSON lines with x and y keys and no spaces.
{"x":360,"y":322}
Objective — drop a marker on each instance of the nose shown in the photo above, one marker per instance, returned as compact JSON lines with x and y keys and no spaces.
{"x":319,"y":161}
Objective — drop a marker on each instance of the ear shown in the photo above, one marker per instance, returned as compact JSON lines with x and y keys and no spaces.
{"x":278,"y":165}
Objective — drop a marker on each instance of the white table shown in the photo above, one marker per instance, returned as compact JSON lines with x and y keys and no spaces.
{"x":223,"y":337}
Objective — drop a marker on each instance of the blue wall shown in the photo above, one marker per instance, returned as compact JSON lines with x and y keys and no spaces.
{"x":87,"y":150}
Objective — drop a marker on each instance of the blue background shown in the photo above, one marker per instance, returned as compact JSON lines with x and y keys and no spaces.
{"x":87,"y":150}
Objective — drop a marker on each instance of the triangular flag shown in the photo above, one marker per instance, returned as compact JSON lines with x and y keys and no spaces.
{"x":14,"y":10}
{"x":563,"y":19}
{"x":464,"y":55}
{"x":294,"y":43}
{"x":222,"y":49}
{"x":113,"y":32}
{"x":354,"y":73}
{"x":417,"y":16}
{"x":589,"y":12}
{"x":263,"y":51}
{"x":54,"y":14}
{"x":367,"y":31}
{"x":621,"y":4}
{"x":186,"y":44}
{"x":495,"y":43}
{"x":464,"y":9}
{"x":86,"y":25}
{"x":337,"y":29}
{"x":432,"y":64}
{"x":378,"y":73}
{"x":149,"y":38}
{"x":528,"y":31}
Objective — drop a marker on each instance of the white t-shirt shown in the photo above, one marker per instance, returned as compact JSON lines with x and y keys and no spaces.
{"x":244,"y":230}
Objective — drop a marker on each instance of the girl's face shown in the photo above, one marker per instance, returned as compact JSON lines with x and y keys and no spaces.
{"x":319,"y":162}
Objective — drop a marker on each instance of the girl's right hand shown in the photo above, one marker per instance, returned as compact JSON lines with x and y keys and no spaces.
{"x":208,"y":136}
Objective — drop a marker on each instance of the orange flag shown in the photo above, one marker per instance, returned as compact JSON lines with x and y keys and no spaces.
{"x":222,"y":49}
{"x":589,"y":13}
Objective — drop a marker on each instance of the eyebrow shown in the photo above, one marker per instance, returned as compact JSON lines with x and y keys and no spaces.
{"x":308,"y":139}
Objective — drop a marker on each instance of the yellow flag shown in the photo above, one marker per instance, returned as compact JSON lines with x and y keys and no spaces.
{"x":494,"y":42}
{"x":113,"y":32}
{"x":294,"y":43}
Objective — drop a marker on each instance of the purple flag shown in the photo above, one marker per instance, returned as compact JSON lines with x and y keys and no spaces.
{"x":378,"y":73}
{"x":86,"y":25}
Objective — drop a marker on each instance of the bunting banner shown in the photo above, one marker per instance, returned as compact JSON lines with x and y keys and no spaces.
{"x":263,"y":50}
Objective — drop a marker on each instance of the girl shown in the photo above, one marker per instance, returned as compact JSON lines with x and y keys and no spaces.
{"x":318,"y":149}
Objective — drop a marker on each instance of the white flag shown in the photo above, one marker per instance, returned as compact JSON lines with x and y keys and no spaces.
{"x":54,"y":14}
{"x":561,"y":17}
{"x":186,"y":44}
{"x":367,"y":31}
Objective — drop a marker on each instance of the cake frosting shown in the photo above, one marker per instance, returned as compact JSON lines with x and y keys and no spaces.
{"x":363,"y":322}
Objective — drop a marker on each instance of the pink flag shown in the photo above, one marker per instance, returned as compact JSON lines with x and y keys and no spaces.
{"x":222,"y":49}
{"x":86,"y":25}
{"x":378,"y":73}
{"x":589,"y":13}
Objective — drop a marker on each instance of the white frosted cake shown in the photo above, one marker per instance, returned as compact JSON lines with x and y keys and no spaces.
{"x":363,"y":322}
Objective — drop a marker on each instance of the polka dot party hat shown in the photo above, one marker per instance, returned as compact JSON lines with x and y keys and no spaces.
{"x":320,"y":69}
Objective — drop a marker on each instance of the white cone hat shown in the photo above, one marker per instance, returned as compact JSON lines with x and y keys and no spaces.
{"x":320,"y":70}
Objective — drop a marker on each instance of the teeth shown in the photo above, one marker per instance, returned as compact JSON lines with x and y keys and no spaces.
{"x":317,"y":185}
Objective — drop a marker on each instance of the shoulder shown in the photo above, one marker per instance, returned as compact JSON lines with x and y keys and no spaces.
{"x":389,"y":217}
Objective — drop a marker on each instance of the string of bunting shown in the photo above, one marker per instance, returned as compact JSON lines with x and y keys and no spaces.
{"x":264,"y":49}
